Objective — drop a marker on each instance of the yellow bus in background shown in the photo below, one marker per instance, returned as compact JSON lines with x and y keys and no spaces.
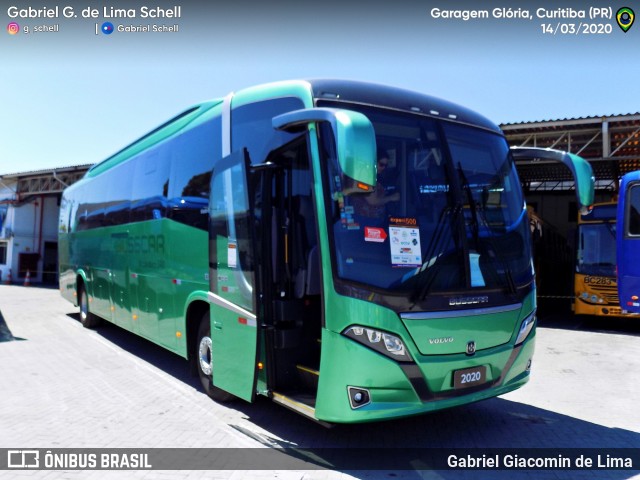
{"x":595,"y":283}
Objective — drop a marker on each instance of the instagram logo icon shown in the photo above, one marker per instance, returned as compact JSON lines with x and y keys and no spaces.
{"x":13,"y":28}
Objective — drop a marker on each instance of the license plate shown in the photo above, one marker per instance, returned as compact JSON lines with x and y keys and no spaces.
{"x":469,"y":377}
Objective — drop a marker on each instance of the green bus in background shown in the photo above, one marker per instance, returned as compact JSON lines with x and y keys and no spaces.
{"x":355,"y":252}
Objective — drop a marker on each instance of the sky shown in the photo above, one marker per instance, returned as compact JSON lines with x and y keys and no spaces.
{"x":73,"y":97}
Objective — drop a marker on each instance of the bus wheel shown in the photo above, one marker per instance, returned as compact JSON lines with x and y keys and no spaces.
{"x":202,"y":357}
{"x":87,"y":319}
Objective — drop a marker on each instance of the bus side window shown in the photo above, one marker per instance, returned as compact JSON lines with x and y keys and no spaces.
{"x":117,"y":208}
{"x":192,"y":160}
{"x":151,"y":173}
{"x":633,"y":223}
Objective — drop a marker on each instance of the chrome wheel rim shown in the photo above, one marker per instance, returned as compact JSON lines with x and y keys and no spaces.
{"x":204,"y":354}
{"x":84,"y":308}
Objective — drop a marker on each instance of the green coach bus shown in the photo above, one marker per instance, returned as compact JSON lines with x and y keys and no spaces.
{"x":354,"y":252}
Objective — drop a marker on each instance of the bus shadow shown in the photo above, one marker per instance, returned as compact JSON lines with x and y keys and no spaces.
{"x":474,"y":429}
{"x":146,"y":350}
{"x":495,"y":423}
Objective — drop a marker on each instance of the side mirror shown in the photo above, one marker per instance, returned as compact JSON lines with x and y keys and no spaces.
{"x":354,"y":138}
{"x":579,"y":167}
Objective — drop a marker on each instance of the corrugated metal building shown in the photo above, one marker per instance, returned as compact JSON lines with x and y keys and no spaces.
{"x":29,"y":207}
{"x":611,"y":144}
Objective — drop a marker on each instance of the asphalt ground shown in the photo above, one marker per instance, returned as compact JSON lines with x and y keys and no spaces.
{"x":63,"y":386}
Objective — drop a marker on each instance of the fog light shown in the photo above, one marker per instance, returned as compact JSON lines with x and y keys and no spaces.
{"x":529,"y":365}
{"x":358,"y":397}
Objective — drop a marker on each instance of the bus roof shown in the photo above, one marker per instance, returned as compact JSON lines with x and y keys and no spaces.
{"x":398,"y":99}
{"x":155,"y":136}
{"x":348,"y":91}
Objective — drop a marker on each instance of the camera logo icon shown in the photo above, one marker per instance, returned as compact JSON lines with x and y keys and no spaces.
{"x":13,"y":28}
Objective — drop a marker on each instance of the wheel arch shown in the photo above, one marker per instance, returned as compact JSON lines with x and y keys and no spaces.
{"x":196,"y":308}
{"x":81,"y":280}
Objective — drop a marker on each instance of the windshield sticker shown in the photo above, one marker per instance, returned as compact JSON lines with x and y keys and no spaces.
{"x":347,"y":220}
{"x":346,"y":214}
{"x":353,"y":226}
{"x":232,"y":255}
{"x":374,"y":234}
{"x":404,"y":242}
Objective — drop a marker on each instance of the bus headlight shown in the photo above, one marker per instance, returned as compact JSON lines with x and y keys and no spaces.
{"x":382,"y":342}
{"x":591,"y":298}
{"x":525,"y":328}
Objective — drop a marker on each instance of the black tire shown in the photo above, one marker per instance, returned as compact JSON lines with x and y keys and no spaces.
{"x":87,"y":319}
{"x":202,"y":359}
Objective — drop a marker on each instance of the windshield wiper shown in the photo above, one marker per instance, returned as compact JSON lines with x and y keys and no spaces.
{"x":472,"y":205}
{"x":431,"y":266}
{"x":475,"y":209}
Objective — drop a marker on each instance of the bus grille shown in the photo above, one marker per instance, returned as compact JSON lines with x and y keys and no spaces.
{"x":607,"y":292}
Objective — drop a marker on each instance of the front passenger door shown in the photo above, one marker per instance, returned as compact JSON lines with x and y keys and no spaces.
{"x":234,"y":326}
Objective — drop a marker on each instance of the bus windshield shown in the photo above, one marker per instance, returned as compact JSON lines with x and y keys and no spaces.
{"x":447,"y":213}
{"x":597,"y":249}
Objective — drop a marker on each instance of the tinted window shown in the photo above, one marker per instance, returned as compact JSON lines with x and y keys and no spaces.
{"x":105,"y":200}
{"x":633,"y":222}
{"x":149,"y":198}
{"x":192,"y":160}
{"x":114,"y":187}
{"x":252,"y":128}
